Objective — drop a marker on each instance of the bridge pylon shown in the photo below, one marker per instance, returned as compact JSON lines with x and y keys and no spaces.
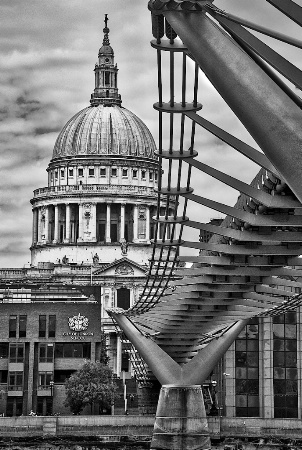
{"x":181,"y":421}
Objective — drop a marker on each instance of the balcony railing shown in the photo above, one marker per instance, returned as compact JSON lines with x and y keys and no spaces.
{"x":94,"y":188}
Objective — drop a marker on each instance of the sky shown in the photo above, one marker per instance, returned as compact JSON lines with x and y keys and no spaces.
{"x":48,"y":49}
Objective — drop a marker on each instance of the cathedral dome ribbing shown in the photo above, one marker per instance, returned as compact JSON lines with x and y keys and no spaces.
{"x":107,"y":131}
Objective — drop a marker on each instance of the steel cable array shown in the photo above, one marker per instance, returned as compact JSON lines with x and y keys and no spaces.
{"x":251,"y":264}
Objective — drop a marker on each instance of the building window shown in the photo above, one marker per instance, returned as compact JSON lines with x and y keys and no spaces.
{"x":4,"y":350}
{"x":81,"y":172}
{"x":56,"y":174}
{"x":150,"y":176}
{"x":46,"y":353}
{"x":22,"y":326}
{"x":103,"y":171}
{"x":285,"y":366}
{"x":143,"y":174}
{"x":42,"y":326}
{"x":91,"y":171}
{"x":44,"y":406}
{"x":16,"y":353}
{"x":107,"y":78}
{"x":125,"y":173}
{"x":70,"y":172}
{"x":155,"y":176}
{"x":51,"y":326}
{"x":62,"y":173}
{"x":3,"y":376}
{"x":113,"y":171}
{"x":14,"y":406}
{"x":44,"y":380}
{"x":12,"y":326}
{"x":134,"y":173}
{"x":60,"y":376}
{"x":73,"y":350}
{"x":15,"y":381}
{"x":123,"y":298}
{"x":247,"y":371}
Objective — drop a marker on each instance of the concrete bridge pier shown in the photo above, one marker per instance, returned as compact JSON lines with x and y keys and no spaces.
{"x":181,"y":421}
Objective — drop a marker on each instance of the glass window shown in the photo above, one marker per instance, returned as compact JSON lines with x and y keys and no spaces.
{"x":125,"y":173}
{"x":73,"y":350}
{"x":91,"y":171}
{"x":44,"y":380}
{"x":15,"y":381}
{"x":103,"y":171}
{"x":16,"y":353}
{"x":134,"y":173}
{"x":68,"y":351}
{"x":107,"y":77}
{"x":56,"y":174}
{"x":81,"y":172}
{"x":143,"y":174}
{"x":247,"y":371}
{"x":42,"y":325}
{"x":155,"y":176}
{"x":62,"y":173}
{"x":3,"y":376}
{"x":60,"y":376}
{"x":4,"y":350}
{"x":46,"y":353}
{"x":59,"y":351}
{"x":70,"y":172}
{"x":51,"y":326}
{"x":114,"y":172}
{"x":150,"y":176}
{"x":86,"y":350}
{"x":22,"y":326}
{"x":285,"y":372}
{"x":12,"y":326}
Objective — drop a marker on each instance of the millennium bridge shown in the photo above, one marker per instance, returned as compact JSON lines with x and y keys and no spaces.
{"x":189,"y":314}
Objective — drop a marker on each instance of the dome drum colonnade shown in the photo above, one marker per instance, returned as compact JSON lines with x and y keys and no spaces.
{"x":68,"y":223}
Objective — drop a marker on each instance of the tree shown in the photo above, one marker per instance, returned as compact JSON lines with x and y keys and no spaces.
{"x":93,"y":382}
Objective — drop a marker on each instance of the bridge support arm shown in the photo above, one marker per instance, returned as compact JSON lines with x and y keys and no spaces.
{"x":269,"y":115}
{"x":166,"y":370}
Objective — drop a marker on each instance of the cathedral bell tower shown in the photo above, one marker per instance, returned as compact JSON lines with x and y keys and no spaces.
{"x":106,"y":91}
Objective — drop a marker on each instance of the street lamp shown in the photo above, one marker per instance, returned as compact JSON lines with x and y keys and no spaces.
{"x":214,"y":409}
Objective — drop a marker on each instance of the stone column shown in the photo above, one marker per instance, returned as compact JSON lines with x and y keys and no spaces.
{"x":122,"y":232}
{"x":81,"y":231}
{"x":147,"y":223}
{"x":93,"y":222}
{"x":56,"y":233}
{"x":118,"y":356}
{"x":108,"y":223}
{"x":39,"y":225}
{"x":46,"y":231}
{"x":35,"y":226}
{"x":67,"y":224}
{"x":135,"y":223}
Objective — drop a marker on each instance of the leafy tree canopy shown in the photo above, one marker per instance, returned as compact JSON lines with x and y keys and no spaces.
{"x":93,"y":382}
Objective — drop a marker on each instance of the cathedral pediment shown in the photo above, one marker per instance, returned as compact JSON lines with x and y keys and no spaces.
{"x":123,"y":267}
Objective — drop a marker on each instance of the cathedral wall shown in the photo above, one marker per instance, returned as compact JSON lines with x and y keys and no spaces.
{"x":84,"y":253}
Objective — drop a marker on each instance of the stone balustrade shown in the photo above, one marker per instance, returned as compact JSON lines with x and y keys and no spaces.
{"x":70,"y":190}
